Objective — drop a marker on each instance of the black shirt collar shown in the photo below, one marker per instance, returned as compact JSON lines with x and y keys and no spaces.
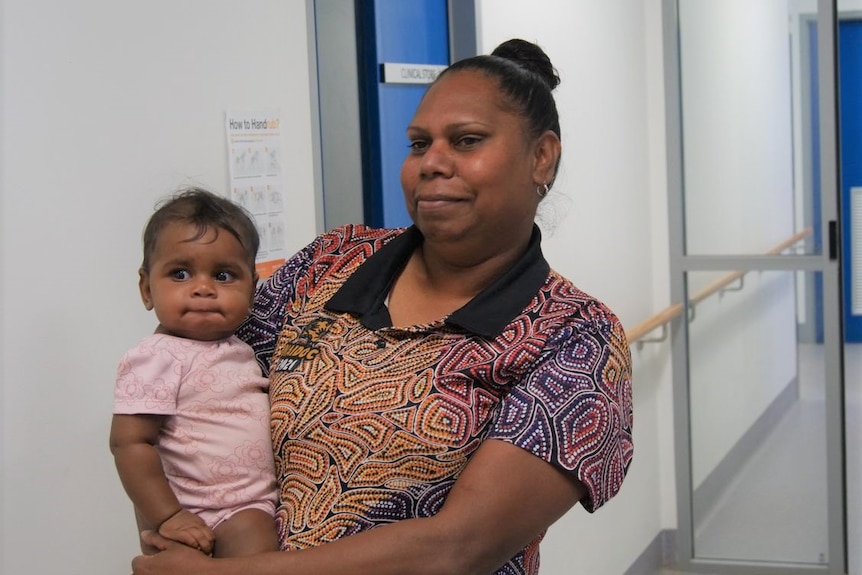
{"x":365,"y":291}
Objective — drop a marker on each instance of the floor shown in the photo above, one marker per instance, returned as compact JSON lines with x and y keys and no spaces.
{"x":749,"y":524}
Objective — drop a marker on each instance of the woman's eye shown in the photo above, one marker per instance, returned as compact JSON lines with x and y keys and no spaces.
{"x":224,"y":276}
{"x":469,"y":140}
{"x":418,"y":145}
{"x":181,"y":275}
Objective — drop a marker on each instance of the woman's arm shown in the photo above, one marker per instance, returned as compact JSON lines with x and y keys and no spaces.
{"x":261,"y":328}
{"x":503,"y":500}
{"x":133,"y":440}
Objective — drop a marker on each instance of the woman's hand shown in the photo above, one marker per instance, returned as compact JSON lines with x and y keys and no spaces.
{"x":173,"y":559}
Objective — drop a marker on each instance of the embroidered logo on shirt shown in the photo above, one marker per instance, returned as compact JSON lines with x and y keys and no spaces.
{"x":293,"y":352}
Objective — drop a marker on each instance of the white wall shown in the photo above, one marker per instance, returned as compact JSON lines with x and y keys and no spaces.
{"x":3,"y":274}
{"x":606,"y":229}
{"x":106,"y":107}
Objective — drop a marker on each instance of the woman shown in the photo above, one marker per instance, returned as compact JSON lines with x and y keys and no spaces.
{"x":439,"y":395}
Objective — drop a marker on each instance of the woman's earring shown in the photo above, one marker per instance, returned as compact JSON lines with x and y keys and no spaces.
{"x":542,"y":190}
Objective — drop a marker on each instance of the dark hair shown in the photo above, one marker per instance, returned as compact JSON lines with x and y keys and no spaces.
{"x":526,"y":77}
{"x":206,"y":211}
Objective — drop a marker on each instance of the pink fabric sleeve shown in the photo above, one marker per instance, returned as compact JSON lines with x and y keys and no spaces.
{"x":148,"y":379}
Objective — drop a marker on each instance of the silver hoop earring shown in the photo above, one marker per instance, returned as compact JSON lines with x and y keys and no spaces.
{"x":542,"y":190}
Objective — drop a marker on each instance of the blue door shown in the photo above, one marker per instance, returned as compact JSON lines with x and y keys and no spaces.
{"x":403,"y":32}
{"x":850,"y":129}
{"x":850,"y":134}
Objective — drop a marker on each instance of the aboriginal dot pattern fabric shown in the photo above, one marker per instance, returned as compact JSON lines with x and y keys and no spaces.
{"x":372,"y":426}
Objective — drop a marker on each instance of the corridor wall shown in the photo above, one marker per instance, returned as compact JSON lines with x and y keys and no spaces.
{"x":106,"y":107}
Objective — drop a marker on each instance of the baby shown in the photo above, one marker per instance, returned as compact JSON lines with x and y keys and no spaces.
{"x":191,"y":427}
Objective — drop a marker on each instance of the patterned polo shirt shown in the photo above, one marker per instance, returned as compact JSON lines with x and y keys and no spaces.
{"x":373,"y":423}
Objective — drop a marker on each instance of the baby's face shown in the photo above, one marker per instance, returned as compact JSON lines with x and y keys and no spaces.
{"x":200,"y":289}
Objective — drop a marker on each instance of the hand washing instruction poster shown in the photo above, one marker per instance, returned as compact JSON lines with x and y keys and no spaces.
{"x":257,"y":180}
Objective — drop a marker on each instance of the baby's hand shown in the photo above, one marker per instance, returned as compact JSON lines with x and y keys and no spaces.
{"x":187,"y":528}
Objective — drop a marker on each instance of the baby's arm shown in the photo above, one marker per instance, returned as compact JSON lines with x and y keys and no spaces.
{"x":133,"y":439}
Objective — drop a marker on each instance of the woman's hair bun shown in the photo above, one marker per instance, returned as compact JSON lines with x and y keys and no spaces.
{"x":529,"y":56}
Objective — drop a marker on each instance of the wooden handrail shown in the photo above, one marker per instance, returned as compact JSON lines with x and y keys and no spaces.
{"x":668,"y":314}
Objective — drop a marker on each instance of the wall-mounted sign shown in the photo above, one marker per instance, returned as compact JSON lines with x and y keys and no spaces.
{"x":256,"y":179}
{"x":393,"y":73}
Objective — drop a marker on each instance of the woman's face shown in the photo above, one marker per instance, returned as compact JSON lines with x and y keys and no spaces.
{"x":472,"y":171}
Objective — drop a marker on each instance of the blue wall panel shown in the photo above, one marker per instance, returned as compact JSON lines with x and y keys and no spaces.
{"x":404,"y":31}
{"x":850,"y":146}
{"x":817,"y":196}
{"x":850,"y":114}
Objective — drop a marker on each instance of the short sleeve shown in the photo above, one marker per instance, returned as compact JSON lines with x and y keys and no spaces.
{"x":260,"y":330}
{"x":148,"y":381}
{"x":574,"y":409}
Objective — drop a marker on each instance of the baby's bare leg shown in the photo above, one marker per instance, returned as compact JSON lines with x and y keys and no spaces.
{"x":248,"y":532}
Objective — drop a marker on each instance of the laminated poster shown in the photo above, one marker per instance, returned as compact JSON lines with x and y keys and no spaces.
{"x":256,"y":179}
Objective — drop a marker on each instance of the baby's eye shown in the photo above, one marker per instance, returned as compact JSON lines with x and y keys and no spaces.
{"x":224,"y":276}
{"x":181,"y":275}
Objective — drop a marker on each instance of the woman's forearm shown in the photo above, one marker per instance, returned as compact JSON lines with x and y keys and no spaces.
{"x":502,"y":501}
{"x":409,"y":546}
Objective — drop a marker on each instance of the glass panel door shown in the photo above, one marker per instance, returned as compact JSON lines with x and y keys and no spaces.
{"x":758,"y":423}
{"x":757,"y":358}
